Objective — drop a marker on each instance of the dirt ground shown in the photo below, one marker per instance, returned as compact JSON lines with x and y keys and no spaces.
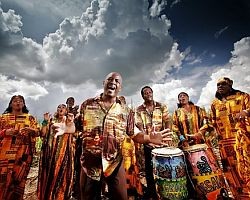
{"x":31,"y":183}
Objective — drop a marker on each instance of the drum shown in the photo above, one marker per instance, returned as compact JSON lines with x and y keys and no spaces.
{"x":170,"y":173}
{"x":205,"y":173}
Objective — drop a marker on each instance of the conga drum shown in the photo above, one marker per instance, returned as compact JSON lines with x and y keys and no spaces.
{"x":205,"y":173}
{"x":170,"y":173}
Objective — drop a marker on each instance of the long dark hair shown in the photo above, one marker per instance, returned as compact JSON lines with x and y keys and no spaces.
{"x":9,"y":109}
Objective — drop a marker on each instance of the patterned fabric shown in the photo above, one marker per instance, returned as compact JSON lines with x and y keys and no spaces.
{"x":56,"y":166}
{"x":128,"y":153}
{"x":157,"y":120}
{"x":188,"y":123}
{"x":73,"y":110}
{"x":234,"y":141}
{"x":103,"y":134}
{"x":147,"y":122}
{"x":16,"y":153}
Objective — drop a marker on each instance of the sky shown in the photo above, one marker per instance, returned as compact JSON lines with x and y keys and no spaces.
{"x":53,"y":49}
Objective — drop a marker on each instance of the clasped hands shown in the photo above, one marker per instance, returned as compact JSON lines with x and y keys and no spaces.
{"x":65,"y":126}
{"x":22,"y":131}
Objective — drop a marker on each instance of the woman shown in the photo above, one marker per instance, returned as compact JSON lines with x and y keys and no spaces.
{"x":189,"y":121}
{"x":56,"y":163}
{"x":191,"y":125}
{"x":18,"y":131}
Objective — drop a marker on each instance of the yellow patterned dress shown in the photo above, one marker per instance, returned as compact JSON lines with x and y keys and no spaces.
{"x":16,"y":153}
{"x":189,"y":123}
{"x":234,"y":141}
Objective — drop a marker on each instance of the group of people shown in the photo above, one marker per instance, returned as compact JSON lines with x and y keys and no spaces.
{"x":83,"y":149}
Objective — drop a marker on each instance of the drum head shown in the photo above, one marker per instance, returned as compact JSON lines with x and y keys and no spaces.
{"x":167,"y":151}
{"x":196,"y":147}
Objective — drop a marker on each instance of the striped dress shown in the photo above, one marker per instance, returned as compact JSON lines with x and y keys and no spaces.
{"x":56,"y":166}
{"x":188,"y":123}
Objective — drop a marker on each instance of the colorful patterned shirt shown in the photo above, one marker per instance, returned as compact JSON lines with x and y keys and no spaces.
{"x":234,"y":140}
{"x":189,"y":123}
{"x":103,"y":134}
{"x":158,"y":119}
{"x":224,"y":111}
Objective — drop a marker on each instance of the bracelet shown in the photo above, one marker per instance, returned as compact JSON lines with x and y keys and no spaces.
{"x":182,"y":138}
{"x":45,"y":122}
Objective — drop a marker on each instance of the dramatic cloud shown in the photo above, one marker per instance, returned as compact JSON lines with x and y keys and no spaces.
{"x":85,"y":48}
{"x":10,"y":86}
{"x":98,"y":37}
{"x":18,"y":54}
{"x":238,"y":69}
{"x":56,"y":8}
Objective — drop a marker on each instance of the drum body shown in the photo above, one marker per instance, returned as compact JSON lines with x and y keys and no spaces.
{"x":170,"y":173}
{"x":205,"y":173}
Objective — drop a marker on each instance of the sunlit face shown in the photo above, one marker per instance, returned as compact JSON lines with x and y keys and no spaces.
{"x":112,"y":84}
{"x":62,"y":109}
{"x":17,"y":104}
{"x":147,"y":94}
{"x":223,"y":87}
{"x":183,"y":98}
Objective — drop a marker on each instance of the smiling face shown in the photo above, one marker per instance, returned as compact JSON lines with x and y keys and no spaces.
{"x":147,"y":94}
{"x":112,"y":84}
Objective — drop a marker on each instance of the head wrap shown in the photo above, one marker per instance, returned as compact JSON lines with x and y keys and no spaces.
{"x":225,"y":79}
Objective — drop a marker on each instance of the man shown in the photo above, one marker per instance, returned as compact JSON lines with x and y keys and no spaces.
{"x":150,"y":116}
{"x":106,"y":120}
{"x":70,"y":106}
{"x":230,"y":116}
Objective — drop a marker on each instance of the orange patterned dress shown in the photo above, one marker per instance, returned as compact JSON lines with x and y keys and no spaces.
{"x":16,"y":153}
